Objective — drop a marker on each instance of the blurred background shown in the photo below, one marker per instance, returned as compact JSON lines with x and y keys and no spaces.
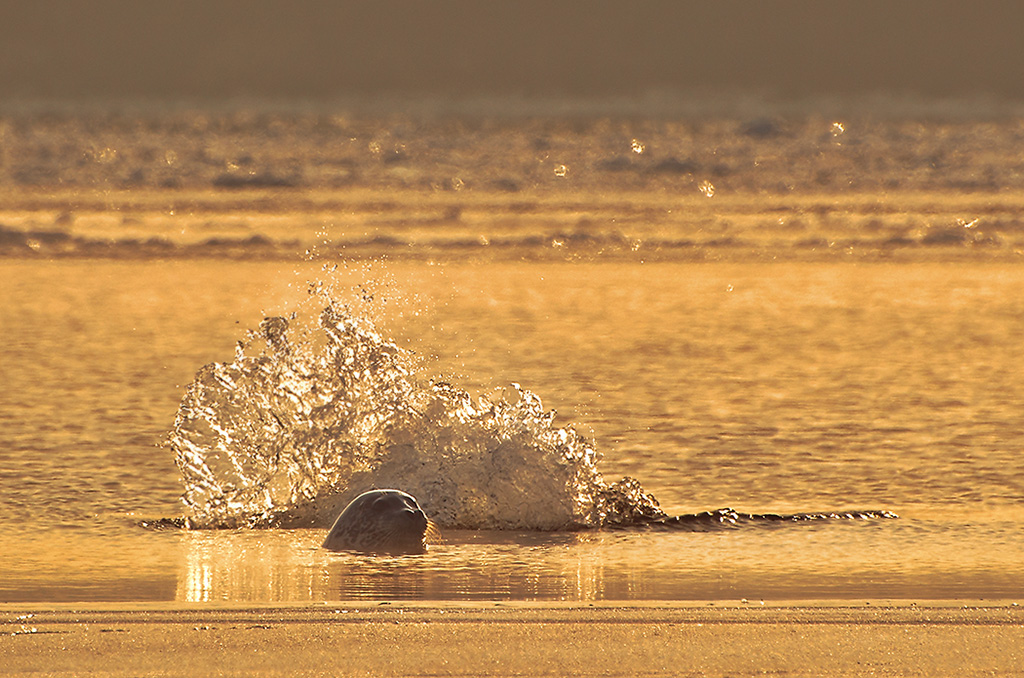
{"x":594,"y":48}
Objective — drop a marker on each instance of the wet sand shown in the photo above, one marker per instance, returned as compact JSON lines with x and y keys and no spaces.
{"x":490,"y":639}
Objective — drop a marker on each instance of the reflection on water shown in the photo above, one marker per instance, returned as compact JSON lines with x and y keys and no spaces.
{"x":288,"y":565}
{"x":917,"y":559}
{"x":231,"y":565}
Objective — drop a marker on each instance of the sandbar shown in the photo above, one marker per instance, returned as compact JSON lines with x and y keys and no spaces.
{"x":398,"y":638}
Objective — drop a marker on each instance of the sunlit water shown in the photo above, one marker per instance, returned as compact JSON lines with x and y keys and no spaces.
{"x":766,"y":387}
{"x":777,"y":310}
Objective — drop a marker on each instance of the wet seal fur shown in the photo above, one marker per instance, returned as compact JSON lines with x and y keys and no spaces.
{"x":381,"y":521}
{"x":392,"y":522}
{"x":726,"y":518}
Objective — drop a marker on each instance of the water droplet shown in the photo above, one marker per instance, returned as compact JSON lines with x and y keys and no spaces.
{"x":561,"y":170}
{"x":638,"y":146}
{"x":106,"y":155}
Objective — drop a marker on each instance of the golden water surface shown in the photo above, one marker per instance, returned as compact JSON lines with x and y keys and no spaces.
{"x":765,"y":387}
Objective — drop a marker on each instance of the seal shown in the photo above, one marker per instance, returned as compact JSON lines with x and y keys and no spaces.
{"x":726,"y":518}
{"x":381,"y":521}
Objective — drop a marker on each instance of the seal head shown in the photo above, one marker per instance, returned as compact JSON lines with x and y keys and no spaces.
{"x":380,"y":521}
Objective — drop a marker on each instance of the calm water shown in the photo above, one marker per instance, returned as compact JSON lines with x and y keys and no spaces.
{"x":766,"y":387}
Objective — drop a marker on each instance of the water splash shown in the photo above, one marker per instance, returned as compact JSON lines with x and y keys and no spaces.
{"x":306,"y":416}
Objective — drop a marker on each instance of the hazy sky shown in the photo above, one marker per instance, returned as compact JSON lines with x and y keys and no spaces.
{"x":305,"y":48}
